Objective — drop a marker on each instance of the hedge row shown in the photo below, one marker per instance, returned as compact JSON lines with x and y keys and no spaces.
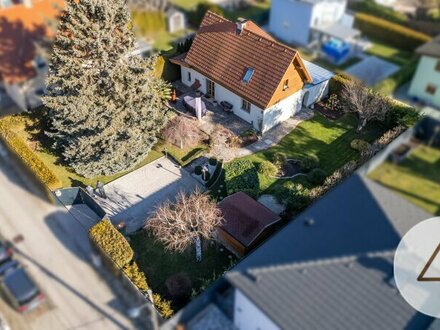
{"x":337,"y":83}
{"x":372,"y":8}
{"x":391,"y":33}
{"x":29,"y":157}
{"x":241,"y":175}
{"x":114,"y":245}
{"x":165,"y":69}
{"x":390,"y":84}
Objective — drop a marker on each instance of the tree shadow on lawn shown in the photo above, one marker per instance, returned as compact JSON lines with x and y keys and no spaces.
{"x":421,"y":168}
{"x":160,"y":264}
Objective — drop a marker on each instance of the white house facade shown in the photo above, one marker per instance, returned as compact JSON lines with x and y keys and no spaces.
{"x":293,"y":20}
{"x":425,"y":85}
{"x":247,"y":316}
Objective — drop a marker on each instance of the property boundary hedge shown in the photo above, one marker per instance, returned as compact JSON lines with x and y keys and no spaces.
{"x":390,"y":84}
{"x":392,"y":33}
{"x":29,"y":157}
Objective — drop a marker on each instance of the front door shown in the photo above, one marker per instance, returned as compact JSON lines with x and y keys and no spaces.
{"x":210,"y":88}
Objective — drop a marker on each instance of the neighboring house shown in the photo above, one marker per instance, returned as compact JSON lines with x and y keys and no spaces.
{"x":425,"y":85}
{"x":265,"y":81}
{"x":317,"y":24}
{"x":246,"y":223}
{"x":332,"y":267}
{"x":22,"y":69}
{"x":175,"y":20}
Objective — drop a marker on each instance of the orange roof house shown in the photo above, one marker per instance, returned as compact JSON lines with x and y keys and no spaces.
{"x":21,"y":27}
{"x":240,"y":63}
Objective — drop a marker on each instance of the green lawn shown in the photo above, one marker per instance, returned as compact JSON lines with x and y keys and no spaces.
{"x":187,"y":4}
{"x":328,"y":140}
{"x":389,"y":53}
{"x":159,"y":264}
{"x":186,"y":155}
{"x":417,"y":178}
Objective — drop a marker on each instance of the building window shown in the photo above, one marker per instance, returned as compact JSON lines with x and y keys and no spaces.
{"x":437,"y":66}
{"x":245,"y":105}
{"x":189,"y":76}
{"x":210,"y":88}
{"x":431,"y":89}
{"x":286,"y":84}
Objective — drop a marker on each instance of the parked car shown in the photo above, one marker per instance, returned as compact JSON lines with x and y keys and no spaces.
{"x":19,"y":288}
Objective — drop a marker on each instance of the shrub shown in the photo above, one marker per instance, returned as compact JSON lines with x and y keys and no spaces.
{"x":359,"y":145}
{"x":198,"y":170}
{"x":212,"y":161}
{"x":294,"y":196}
{"x":179,"y":285}
{"x":111,"y":242}
{"x":309,"y":162}
{"x":29,"y":157}
{"x":338,"y":82}
{"x":375,"y":9}
{"x":163,"y":306}
{"x":279,"y":159}
{"x":266,"y":168}
{"x":241,"y":175}
{"x":333,"y":103}
{"x":402,"y":115}
{"x":316,"y":176}
{"x":391,"y":33}
{"x":166,"y":70}
{"x":136,"y":276}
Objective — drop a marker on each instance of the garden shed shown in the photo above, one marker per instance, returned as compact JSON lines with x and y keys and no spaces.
{"x":246,"y":223}
{"x":175,"y":20}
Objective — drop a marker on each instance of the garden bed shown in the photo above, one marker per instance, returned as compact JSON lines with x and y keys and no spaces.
{"x":290,"y":168}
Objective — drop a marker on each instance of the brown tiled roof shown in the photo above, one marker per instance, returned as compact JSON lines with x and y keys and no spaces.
{"x":20,"y":28}
{"x":224,"y":56}
{"x":245,"y":218}
{"x":431,"y":48}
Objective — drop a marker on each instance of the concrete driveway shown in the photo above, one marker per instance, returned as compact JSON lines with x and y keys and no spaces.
{"x":372,"y":70}
{"x":132,"y":197}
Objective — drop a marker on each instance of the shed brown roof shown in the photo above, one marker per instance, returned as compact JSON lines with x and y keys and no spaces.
{"x":224,"y":56}
{"x":245,"y":218}
{"x":20,"y":28}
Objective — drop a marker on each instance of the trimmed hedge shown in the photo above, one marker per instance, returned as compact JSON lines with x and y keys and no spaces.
{"x":165,"y":69}
{"x":391,"y":33}
{"x":267,"y":168}
{"x":359,"y":145}
{"x":389,"y":85}
{"x":241,"y":175}
{"x":29,"y":157}
{"x":111,"y":242}
{"x":338,"y":82}
{"x":377,"y":10}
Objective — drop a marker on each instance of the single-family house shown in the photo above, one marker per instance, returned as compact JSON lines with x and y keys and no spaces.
{"x":265,"y":81}
{"x":425,"y":85}
{"x":330,"y":268}
{"x":23,"y":70}
{"x":321,"y":25}
{"x":246,"y":223}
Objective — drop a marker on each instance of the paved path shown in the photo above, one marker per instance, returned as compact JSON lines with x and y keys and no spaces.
{"x":132,"y":197}
{"x":77,"y":297}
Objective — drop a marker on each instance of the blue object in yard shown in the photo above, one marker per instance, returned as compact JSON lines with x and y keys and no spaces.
{"x":336,"y":49}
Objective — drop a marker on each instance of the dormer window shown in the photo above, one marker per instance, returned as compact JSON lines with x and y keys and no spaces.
{"x":248,"y":75}
{"x":286,"y":84}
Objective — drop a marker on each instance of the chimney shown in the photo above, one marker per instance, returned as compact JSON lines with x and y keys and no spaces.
{"x":241,"y":24}
{"x":27,"y":3}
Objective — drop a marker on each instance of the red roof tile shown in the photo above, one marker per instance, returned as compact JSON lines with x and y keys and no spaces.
{"x":224,"y":56}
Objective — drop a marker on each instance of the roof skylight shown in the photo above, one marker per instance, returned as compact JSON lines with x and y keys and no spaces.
{"x":248,"y":75}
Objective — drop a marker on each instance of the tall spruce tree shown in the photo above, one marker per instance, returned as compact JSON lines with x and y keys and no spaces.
{"x":106,"y":107}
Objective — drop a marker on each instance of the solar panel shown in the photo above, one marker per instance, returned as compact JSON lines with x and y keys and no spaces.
{"x":248,"y":75}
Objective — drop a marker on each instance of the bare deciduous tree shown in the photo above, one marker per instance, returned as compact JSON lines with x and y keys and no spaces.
{"x":186,"y":221}
{"x":366,"y":103}
{"x":182,"y":132}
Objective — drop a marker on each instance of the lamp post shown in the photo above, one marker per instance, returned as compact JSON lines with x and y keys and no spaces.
{"x":135,"y":312}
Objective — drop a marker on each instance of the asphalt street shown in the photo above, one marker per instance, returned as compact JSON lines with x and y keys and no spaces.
{"x":77,"y":297}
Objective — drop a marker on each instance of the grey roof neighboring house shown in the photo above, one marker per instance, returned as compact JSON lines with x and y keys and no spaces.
{"x":431,"y":48}
{"x":339,"y":31}
{"x":328,"y":268}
